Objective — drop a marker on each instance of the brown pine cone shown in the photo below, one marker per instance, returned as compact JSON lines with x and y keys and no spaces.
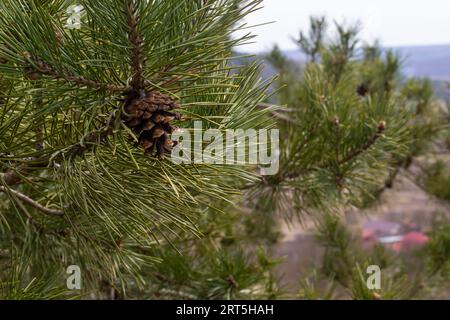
{"x":148,"y":116}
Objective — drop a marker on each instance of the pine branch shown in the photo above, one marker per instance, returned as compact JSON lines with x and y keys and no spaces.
{"x":355,"y":153}
{"x":40,"y":144}
{"x":137,"y":81}
{"x":43,"y":230}
{"x":33,"y":203}
{"x":40,"y":123}
{"x":111,"y":193}
{"x":13,"y":177}
{"x":40,"y":67}
{"x":280,"y":114}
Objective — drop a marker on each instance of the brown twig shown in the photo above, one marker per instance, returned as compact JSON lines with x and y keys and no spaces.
{"x":27,"y":199}
{"x":41,"y":67}
{"x":280,"y":114}
{"x":137,"y":61}
{"x":93,"y":84}
{"x":355,"y":153}
{"x":14,"y":176}
{"x":39,"y":122}
{"x":171,"y":81}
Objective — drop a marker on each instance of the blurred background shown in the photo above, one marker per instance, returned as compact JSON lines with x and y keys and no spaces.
{"x":418,"y":30}
{"x":404,"y":213}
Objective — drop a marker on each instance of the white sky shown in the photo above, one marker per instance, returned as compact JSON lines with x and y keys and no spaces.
{"x":394,"y":22}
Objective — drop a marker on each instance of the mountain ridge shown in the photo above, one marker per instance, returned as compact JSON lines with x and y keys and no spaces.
{"x":431,"y":61}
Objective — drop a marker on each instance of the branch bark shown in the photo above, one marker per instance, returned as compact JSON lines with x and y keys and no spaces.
{"x":14,"y":176}
{"x":41,"y":67}
{"x":355,"y":153}
{"x":281,"y":114}
{"x":33,"y":203}
{"x":137,"y":60}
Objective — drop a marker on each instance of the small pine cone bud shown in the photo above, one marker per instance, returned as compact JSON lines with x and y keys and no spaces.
{"x":27,"y":55}
{"x":119,"y":243}
{"x":337,"y":121}
{"x":381,"y":126}
{"x":362,"y":90}
{"x":232,"y":281}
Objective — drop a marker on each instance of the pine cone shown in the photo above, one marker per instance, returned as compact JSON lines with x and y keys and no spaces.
{"x":148,"y":116}
{"x":362,"y":90}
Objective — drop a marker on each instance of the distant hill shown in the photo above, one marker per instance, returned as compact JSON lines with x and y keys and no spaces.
{"x":427,"y":61}
{"x":418,"y":61}
{"x":442,"y":90}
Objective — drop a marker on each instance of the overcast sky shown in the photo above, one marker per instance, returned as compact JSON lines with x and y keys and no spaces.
{"x":394,"y":22}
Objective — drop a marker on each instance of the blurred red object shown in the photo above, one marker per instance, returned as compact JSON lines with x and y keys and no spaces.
{"x":368,"y":234}
{"x":382,"y":228}
{"x":410,"y":241}
{"x":375,"y":230}
{"x":393,"y":235}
